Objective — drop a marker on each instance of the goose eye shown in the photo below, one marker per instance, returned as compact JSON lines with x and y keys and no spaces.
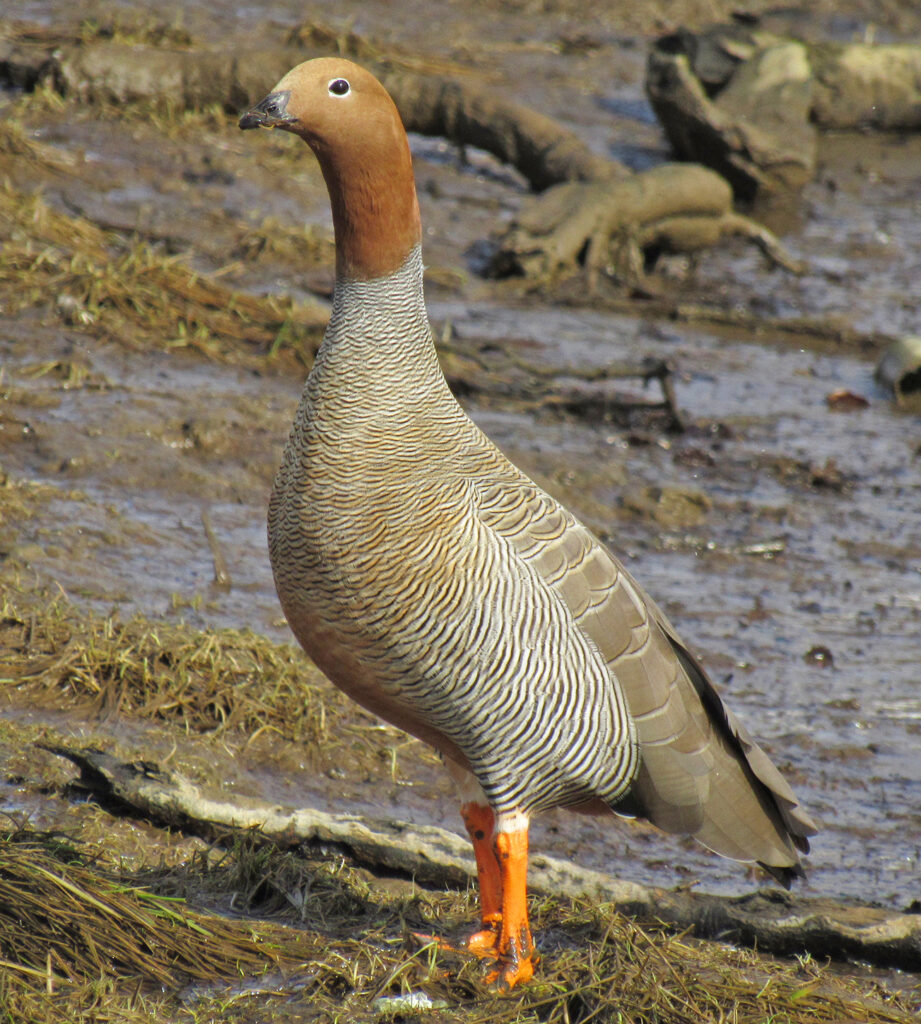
{"x":339,"y":87}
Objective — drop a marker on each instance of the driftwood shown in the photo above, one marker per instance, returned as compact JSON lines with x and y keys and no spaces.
{"x":861,"y":86}
{"x":748,"y":103}
{"x":615,"y":227}
{"x":468,"y":114}
{"x":610,"y":223}
{"x":543,"y":151}
{"x":772,"y":920}
{"x":756,"y":132}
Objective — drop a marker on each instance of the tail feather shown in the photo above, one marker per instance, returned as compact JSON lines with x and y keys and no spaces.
{"x":775,"y":795}
{"x":702,"y":773}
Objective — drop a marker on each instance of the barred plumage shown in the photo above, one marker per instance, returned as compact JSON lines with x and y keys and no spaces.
{"x":441,"y":588}
{"x":419,"y":549}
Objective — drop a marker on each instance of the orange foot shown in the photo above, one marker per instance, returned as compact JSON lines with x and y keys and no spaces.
{"x":511,"y":970}
{"x":516,"y":965}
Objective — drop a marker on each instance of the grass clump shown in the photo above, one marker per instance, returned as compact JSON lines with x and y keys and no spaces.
{"x":303,"y":246}
{"x":16,"y":145}
{"x":128,"y":291}
{"x":61,"y":922}
{"x":229,"y":684}
{"x":213,"y":681}
{"x":136,"y":30}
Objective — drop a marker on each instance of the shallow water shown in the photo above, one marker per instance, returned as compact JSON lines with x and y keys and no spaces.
{"x":831,"y":497}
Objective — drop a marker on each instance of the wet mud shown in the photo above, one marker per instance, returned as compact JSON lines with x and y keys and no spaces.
{"x":779,"y":531}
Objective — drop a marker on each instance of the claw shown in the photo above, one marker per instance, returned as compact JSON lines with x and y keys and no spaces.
{"x":425,"y":939}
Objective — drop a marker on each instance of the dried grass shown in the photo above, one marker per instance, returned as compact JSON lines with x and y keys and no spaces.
{"x":136,"y":29}
{"x":132,"y":293}
{"x":66,"y":926}
{"x":230,"y":684}
{"x":321,"y":38}
{"x":16,"y":145}
{"x":597,"y":965}
{"x":133,"y":28}
{"x":61,"y":923}
{"x":206,"y":681}
{"x":308,"y":246}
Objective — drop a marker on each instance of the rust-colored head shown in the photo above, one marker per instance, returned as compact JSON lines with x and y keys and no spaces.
{"x":350,"y":122}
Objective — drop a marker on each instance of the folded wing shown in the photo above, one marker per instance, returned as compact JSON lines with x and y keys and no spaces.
{"x":701,"y":773}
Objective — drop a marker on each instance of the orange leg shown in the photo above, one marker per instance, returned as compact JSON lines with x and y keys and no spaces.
{"x":481,"y":825}
{"x":516,"y":947}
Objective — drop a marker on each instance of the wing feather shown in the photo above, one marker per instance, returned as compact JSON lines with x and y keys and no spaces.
{"x":700,"y":772}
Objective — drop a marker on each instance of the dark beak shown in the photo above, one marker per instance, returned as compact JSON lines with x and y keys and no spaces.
{"x":272,"y":112}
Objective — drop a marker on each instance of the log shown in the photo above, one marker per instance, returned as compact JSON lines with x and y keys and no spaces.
{"x":859,"y":86}
{"x":613,"y":227}
{"x":467,"y":113}
{"x":755,"y":131}
{"x":899,"y":370}
{"x":772,"y":920}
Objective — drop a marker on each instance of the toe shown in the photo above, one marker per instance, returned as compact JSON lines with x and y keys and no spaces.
{"x":484,"y":944}
{"x":507,"y":975}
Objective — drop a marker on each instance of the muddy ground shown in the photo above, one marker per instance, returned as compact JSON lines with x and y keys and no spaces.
{"x":779,"y":531}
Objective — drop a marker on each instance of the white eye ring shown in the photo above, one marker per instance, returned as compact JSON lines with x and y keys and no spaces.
{"x":339,"y":87}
